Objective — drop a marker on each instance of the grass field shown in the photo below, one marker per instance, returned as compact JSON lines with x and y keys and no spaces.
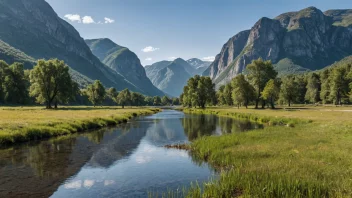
{"x":310,"y":158}
{"x":33,"y":123}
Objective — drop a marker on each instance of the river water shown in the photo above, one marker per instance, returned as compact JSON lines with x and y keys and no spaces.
{"x":126,"y":161}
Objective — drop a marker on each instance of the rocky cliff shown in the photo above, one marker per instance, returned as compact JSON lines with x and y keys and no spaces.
{"x":125,"y":62}
{"x":295,"y":42}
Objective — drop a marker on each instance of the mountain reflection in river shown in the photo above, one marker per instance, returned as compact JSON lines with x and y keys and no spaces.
{"x":127,"y":161}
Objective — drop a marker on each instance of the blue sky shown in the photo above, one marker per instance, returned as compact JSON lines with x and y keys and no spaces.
{"x":164,"y":29}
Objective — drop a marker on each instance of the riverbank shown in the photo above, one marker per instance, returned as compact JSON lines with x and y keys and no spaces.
{"x":34,"y":123}
{"x":309,"y":159}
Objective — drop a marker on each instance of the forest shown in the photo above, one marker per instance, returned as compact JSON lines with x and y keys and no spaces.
{"x":50,"y":83}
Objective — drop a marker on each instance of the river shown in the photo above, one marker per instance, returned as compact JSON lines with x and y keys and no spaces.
{"x":126,"y":161}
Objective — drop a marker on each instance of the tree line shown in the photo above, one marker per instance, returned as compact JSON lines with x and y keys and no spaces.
{"x":259,"y":85}
{"x":50,"y":83}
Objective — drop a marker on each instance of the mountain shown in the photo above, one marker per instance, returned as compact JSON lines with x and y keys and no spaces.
{"x":199,"y":65}
{"x":170,"y":76}
{"x":33,"y":28}
{"x":295,"y":42}
{"x":125,"y":62}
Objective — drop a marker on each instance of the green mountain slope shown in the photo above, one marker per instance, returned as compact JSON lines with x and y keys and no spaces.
{"x":34,"y":28}
{"x":125,"y":62}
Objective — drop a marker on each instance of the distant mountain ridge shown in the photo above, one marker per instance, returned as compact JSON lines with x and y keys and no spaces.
{"x":172,"y":76}
{"x":295,"y":42}
{"x":31,"y":30}
{"x":125,"y":62}
{"x":199,"y":65}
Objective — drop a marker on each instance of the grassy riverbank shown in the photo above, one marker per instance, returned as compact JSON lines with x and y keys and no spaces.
{"x":311,"y":158}
{"x":34,"y":123}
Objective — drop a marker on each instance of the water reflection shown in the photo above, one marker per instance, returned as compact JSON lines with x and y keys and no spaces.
{"x":126,"y":161}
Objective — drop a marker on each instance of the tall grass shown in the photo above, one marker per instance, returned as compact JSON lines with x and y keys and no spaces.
{"x":24,"y":126}
{"x":311,"y":159}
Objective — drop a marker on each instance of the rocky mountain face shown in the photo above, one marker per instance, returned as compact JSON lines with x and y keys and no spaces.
{"x":199,"y":65}
{"x":125,"y":62}
{"x":171,"y":76}
{"x":295,"y":42}
{"x":34,"y":28}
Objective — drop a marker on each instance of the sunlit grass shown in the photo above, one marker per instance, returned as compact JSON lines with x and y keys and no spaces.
{"x":312,"y":158}
{"x":31,"y":123}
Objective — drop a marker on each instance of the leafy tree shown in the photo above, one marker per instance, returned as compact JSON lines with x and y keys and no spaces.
{"x":124,"y":97}
{"x":289,"y":89}
{"x":338,"y":85}
{"x":70,"y":93}
{"x":165,"y":100}
{"x":259,"y":73}
{"x":137,"y":99}
{"x":325,"y":86}
{"x":271,"y":92}
{"x":3,"y":67}
{"x":175,"y":101}
{"x":199,"y":91}
{"x":205,"y":91}
{"x":148,"y":100}
{"x":227,"y":94}
{"x":112,"y":93}
{"x":96,"y":92}
{"x":156,"y":101}
{"x":313,"y":88}
{"x":301,"y":86}
{"x":220,"y":95}
{"x":49,"y":80}
{"x":242,"y":91}
{"x":15,"y":84}
{"x":185,"y":98}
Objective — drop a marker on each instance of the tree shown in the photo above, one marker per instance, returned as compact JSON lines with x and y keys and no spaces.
{"x":3,"y":67}
{"x":205,"y":92}
{"x":15,"y":84}
{"x":338,"y":85}
{"x":49,"y":80}
{"x":220,"y":95}
{"x":175,"y":101}
{"x":124,"y":97}
{"x":156,"y":101}
{"x":325,"y":86}
{"x":137,"y":99}
{"x":165,"y":100}
{"x":259,"y":73}
{"x":112,"y":94}
{"x":228,"y":95}
{"x":301,"y":89}
{"x":64,"y":97}
{"x":288,"y":90}
{"x":271,"y":92}
{"x":242,"y":91}
{"x":148,"y":100}
{"x":313,"y":88}
{"x":199,"y":91}
{"x":96,"y":92}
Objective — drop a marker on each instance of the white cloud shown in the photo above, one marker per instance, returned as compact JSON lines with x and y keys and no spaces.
{"x":87,"y":20}
{"x":149,"y":49}
{"x":108,"y":20}
{"x":209,"y":58}
{"x":148,"y":59}
{"x":73,"y":17}
{"x":171,"y":58}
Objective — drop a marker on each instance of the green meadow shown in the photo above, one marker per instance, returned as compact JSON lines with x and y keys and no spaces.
{"x":302,"y":152}
{"x":22,"y":124}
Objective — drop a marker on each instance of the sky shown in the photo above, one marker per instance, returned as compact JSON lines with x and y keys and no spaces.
{"x":167,"y":29}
